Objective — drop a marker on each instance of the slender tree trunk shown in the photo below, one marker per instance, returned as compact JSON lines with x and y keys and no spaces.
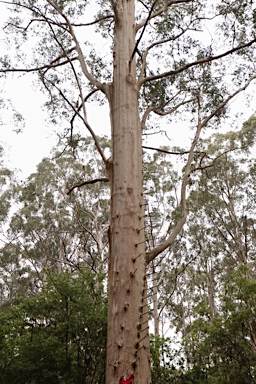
{"x":61,"y":258}
{"x":155,"y":301}
{"x":128,"y":341}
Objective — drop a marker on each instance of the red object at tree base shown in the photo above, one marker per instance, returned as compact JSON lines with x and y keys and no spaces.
{"x":123,"y":380}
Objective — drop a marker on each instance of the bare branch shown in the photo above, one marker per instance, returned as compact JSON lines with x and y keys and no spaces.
{"x":144,"y":5}
{"x":92,"y":22}
{"x":64,"y":54}
{"x":78,"y":185}
{"x":152,"y":109}
{"x":208,"y":59}
{"x":87,"y":74}
{"x":24,"y":29}
{"x":44,"y":19}
{"x":79,"y":107}
{"x":203,"y":167}
{"x":168,"y":152}
{"x":145,"y":116}
{"x":36,"y":69}
{"x":183,"y":203}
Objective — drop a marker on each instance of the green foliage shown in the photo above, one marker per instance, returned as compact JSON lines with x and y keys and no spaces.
{"x":213,"y":305}
{"x":58,"y":335}
{"x":160,"y":181}
{"x":223,"y":350}
{"x":163,"y":360}
{"x":6,"y":177}
{"x":49,"y":229}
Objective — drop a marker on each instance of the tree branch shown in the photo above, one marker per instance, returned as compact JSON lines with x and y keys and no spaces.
{"x":222,"y":105}
{"x":203,"y":167}
{"x":145,"y":54}
{"x":151,"y":255}
{"x":143,"y":30}
{"x":84,"y":119}
{"x":157,"y":109}
{"x":24,"y":29}
{"x":78,"y":185}
{"x":64,"y":53}
{"x":208,"y":59}
{"x":77,"y":112}
{"x":177,"y":275}
{"x":153,"y":109}
{"x":168,"y":152}
{"x":93,"y":22}
{"x":97,"y":144}
{"x":183,"y":204}
{"x":87,"y":74}
{"x":36,"y":69}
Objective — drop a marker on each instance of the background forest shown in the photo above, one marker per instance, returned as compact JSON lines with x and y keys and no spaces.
{"x":202,"y":293}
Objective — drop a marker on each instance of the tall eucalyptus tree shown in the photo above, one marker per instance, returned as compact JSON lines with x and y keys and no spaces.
{"x":160,"y":58}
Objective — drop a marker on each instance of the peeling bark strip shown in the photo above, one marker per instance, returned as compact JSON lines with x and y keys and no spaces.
{"x":127,"y":341}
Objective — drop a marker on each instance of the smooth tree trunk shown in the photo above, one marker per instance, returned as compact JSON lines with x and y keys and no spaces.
{"x":128,"y":338}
